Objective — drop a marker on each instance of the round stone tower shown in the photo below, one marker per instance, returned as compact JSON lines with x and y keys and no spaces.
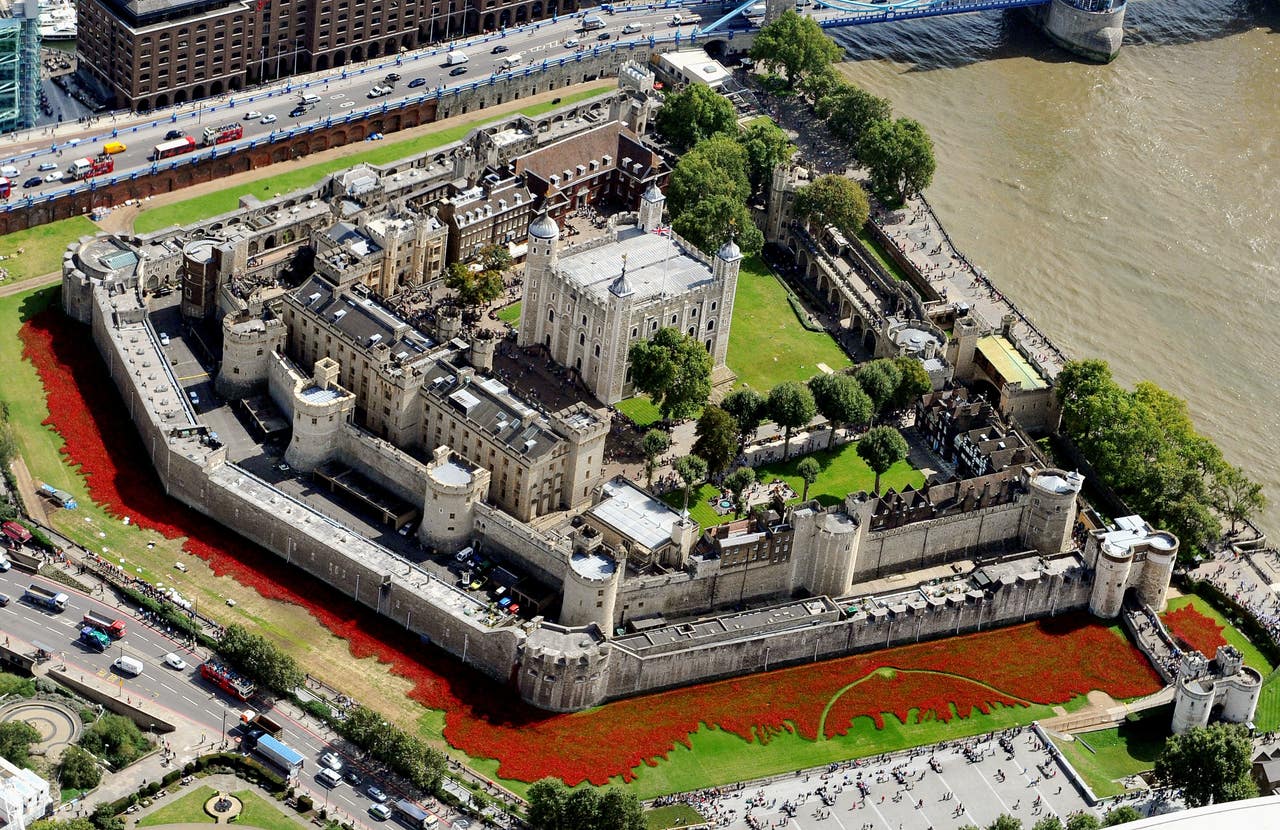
{"x":590,"y":591}
{"x":448,"y":322}
{"x":1111,"y":576}
{"x":1157,"y":571}
{"x":199,"y":278}
{"x":563,"y":669}
{"x":320,"y":408}
{"x":483,"y":346}
{"x":449,"y":505}
{"x":541,"y":256}
{"x":825,"y":548}
{"x":1048,"y":522}
{"x":1093,"y":29}
{"x":1193,"y":693}
{"x":247,"y":345}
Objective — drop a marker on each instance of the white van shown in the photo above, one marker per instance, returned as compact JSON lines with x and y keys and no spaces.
{"x":512,"y":61}
{"x":310,"y":98}
{"x":456,"y":58}
{"x":10,"y":172}
{"x":329,"y":778}
{"x":128,"y":665}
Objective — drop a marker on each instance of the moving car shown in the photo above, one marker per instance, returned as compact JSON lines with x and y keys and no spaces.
{"x":268,"y":119}
{"x":46,"y":166}
{"x":4,"y":600}
{"x":498,"y":50}
{"x":570,"y":42}
{"x":172,"y":134}
{"x":34,"y":181}
{"x":331,"y":760}
{"x":252,"y":115}
{"x":127,"y":665}
{"x":376,"y":794}
{"x":328,"y":778}
{"x":298,"y":111}
{"x":392,"y":77}
{"x":164,"y":338}
{"x":353,"y":777}
{"x":603,"y":36}
{"x":55,"y":176}
{"x":417,"y":82}
{"x":380,"y":811}
{"x":458,"y":70}
{"x":631,"y":29}
{"x":173,"y":661}
{"x":113,"y":147}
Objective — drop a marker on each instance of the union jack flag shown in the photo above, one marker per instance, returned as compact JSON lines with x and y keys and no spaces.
{"x":662,"y":230}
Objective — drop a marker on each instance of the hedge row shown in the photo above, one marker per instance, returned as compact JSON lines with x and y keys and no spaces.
{"x":171,"y":615}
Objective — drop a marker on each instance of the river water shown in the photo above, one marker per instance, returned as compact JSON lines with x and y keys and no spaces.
{"x":1130,"y":209}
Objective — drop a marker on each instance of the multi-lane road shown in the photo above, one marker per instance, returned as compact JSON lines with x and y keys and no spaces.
{"x":180,"y":694}
{"x":340,"y":92}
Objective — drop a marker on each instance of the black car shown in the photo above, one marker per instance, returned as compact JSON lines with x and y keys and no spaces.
{"x":4,"y":599}
{"x":458,"y":70}
{"x":603,"y":36}
{"x":498,"y":50}
{"x":34,"y":181}
{"x":417,"y":82}
{"x":298,"y":111}
{"x":172,"y":134}
{"x":353,"y":777}
{"x":392,"y":77}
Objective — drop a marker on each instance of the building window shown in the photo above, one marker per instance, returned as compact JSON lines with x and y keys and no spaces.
{"x":711,"y":325}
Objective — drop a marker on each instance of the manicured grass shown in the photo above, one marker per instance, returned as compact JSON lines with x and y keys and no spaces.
{"x":510,"y":314}
{"x":672,"y":816}
{"x":42,"y":247}
{"x":767,"y":344}
{"x":1128,"y":749}
{"x":189,"y":809}
{"x":222,"y":201}
{"x":256,"y":812}
{"x":640,"y":409}
{"x":880,"y":255}
{"x":699,"y":508}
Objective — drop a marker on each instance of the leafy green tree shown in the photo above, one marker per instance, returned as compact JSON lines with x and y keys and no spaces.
{"x":104,"y":817}
{"x":1083,"y":821}
{"x":899,"y":156}
{"x":474,"y":288}
{"x":880,"y":380}
{"x":881,"y":448}
{"x":692,"y":114}
{"x":850,"y":110}
{"x":808,"y":470}
{"x":737,"y":482}
{"x":710,"y":223}
{"x":790,"y":405}
{"x":674,"y":370}
{"x":748,"y":409}
{"x":78,"y":770}
{"x":546,"y":804}
{"x":260,"y":659}
{"x":1234,"y":495}
{"x":1048,"y":823}
{"x":767,"y":146}
{"x":833,"y":200}
{"x":692,"y":471}
{"x":818,"y":84}
{"x":717,"y":439}
{"x":913,"y":381}
{"x":62,"y":824}
{"x":841,"y":400}
{"x":698,"y":176}
{"x":652,"y":446}
{"x":116,"y":740}
{"x":795,"y":44}
{"x":497,"y":258}
{"x":16,"y":738}
{"x":553,"y":806}
{"x":620,"y":810}
{"x":1120,"y":815}
{"x":1004,"y":821}
{"x":1208,"y":764}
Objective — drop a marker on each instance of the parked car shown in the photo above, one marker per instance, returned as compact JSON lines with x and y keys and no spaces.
{"x":164,"y":338}
{"x":417,"y":82}
{"x":4,"y":600}
{"x":172,"y":134}
{"x":34,"y":181}
{"x":458,"y":70}
{"x":603,"y":36}
{"x":268,"y":119}
{"x":504,"y":602}
{"x":569,"y":43}
{"x":513,"y":608}
{"x":381,"y":812}
{"x":195,"y":399}
{"x":252,"y":115}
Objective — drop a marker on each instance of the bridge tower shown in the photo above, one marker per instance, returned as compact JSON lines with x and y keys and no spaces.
{"x":1093,"y":29}
{"x":773,"y":9}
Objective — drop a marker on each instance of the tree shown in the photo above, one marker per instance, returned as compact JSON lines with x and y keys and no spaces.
{"x":1083,"y":821}
{"x":796,"y":45}
{"x":62,"y":824}
{"x":913,"y":381}
{"x":620,"y":810}
{"x":1235,"y":496}
{"x":692,"y":114}
{"x":1004,"y":821}
{"x":692,"y":471}
{"x":738,"y":481}
{"x":790,"y":405}
{"x":16,"y":738}
{"x":880,"y":380}
{"x":818,"y":84}
{"x":1209,"y":764}
{"x":77,"y":770}
{"x":553,"y":806}
{"x":496,"y":257}
{"x":899,"y":156}
{"x":1048,"y":823}
{"x":116,"y":740}
{"x":696,"y":177}
{"x":1120,"y":815}
{"x":881,"y":448}
{"x":717,"y":439}
{"x":104,"y":817}
{"x":546,"y":804}
{"x":841,"y":400}
{"x":653,"y":445}
{"x":850,"y":110}
{"x":260,"y":659}
{"x":748,"y":409}
{"x":474,"y":288}
{"x":674,"y":370}
{"x":767,"y":146}
{"x":833,"y":200}
{"x":808,"y":470}
{"x":710,"y":223}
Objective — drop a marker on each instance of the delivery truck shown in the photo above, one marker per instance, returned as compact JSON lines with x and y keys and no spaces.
{"x":260,"y":722}
{"x":111,"y":627}
{"x":42,"y":596}
{"x":94,"y":639}
{"x":286,"y":758}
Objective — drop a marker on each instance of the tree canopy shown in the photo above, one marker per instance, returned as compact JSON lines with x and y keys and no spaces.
{"x":795,"y":44}
{"x":260,"y":659}
{"x":553,"y":806}
{"x":715,"y":167}
{"x":841,"y":400}
{"x":767,"y":146}
{"x":652,"y":446}
{"x":391,"y":745}
{"x":880,"y":380}
{"x":673,"y":369}
{"x":16,"y":738}
{"x":692,"y":114}
{"x":78,"y":770}
{"x":116,"y":740}
{"x":1208,"y":764}
{"x":790,"y":406}
{"x":474,"y":288}
{"x":737,"y":482}
{"x":692,"y":470}
{"x":850,"y":110}
{"x":913,"y":381}
{"x":748,"y":409}
{"x":709,"y":224}
{"x":717,"y":439}
{"x":899,"y":156}
{"x":834,"y":200}
{"x":808,"y":470}
{"x":881,"y":448}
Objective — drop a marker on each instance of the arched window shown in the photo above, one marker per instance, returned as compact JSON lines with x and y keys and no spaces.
{"x":551,"y":315}
{"x":711,"y":325}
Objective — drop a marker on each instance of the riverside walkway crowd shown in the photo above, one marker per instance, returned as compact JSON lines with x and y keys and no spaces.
{"x":1248,"y":577}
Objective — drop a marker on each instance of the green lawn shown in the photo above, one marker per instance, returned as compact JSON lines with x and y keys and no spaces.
{"x":767,"y":344}
{"x":640,"y":409}
{"x":189,"y":809}
{"x":1128,"y":749}
{"x":672,"y":816}
{"x":510,"y":314}
{"x":257,"y":812}
{"x":222,"y":201}
{"x":42,"y":247}
{"x":880,"y":255}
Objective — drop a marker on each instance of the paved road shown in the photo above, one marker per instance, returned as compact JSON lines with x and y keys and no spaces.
{"x":183,"y":694}
{"x":340,"y":91}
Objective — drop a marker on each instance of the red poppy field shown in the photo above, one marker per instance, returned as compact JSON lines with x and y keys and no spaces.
{"x":1049,"y":662}
{"x":1202,"y":633}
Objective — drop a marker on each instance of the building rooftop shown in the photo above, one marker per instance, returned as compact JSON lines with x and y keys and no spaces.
{"x":492,"y":409}
{"x":655,"y":266}
{"x":451,"y":472}
{"x":366,"y":323}
{"x":634,"y":514}
{"x":593,"y":565}
{"x":1009,"y":363}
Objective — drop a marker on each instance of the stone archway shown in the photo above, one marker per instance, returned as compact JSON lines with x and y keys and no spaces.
{"x":162,"y":101}
{"x":322,"y":63}
{"x":198,"y":92}
{"x":180,"y":98}
{"x":357,"y":53}
{"x":488,"y":23}
{"x":216,"y":88}
{"x":375,"y":50}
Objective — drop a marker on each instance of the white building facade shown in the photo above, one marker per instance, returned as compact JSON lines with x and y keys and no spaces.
{"x":24,"y":796}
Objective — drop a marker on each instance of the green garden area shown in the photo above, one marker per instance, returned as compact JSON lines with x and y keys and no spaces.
{"x":222,"y":201}
{"x":510,"y":314}
{"x":1106,"y":756}
{"x":41,"y":247}
{"x":255,"y":811}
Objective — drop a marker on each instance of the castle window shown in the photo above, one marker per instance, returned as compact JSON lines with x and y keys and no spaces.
{"x":582,"y":340}
{"x":674,"y":319}
{"x":584,"y":319}
{"x":635,"y":331}
{"x":711,"y":325}
{"x":713,"y":306}
{"x":692,"y":331}
{"x":551,"y":315}
{"x":597,"y":350}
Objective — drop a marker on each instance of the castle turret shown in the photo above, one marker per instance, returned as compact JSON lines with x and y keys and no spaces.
{"x":590,"y":591}
{"x":480,"y":354}
{"x":652,"y":203}
{"x":1047,"y":525}
{"x":247,"y":344}
{"x":1114,"y":561}
{"x":448,"y":322}
{"x":541,"y":256}
{"x":454,"y":487}
{"x":1130,"y":555}
{"x":563,"y":669}
{"x":199,"y":278}
{"x":320,"y":407}
{"x":824,"y":549}
{"x":1193,"y":693}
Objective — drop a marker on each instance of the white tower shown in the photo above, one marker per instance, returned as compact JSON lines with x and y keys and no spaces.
{"x":541,"y":258}
{"x":652,"y":204}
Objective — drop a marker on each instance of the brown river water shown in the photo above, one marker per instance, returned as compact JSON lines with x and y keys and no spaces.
{"x":1130,"y":209}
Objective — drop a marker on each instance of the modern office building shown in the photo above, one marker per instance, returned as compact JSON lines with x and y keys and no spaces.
{"x":19,"y":66}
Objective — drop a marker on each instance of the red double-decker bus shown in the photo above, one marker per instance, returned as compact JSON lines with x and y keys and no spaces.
{"x":223,"y":134}
{"x":177,"y":147}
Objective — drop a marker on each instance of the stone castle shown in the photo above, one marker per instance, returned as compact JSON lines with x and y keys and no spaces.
{"x":366,"y":444}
